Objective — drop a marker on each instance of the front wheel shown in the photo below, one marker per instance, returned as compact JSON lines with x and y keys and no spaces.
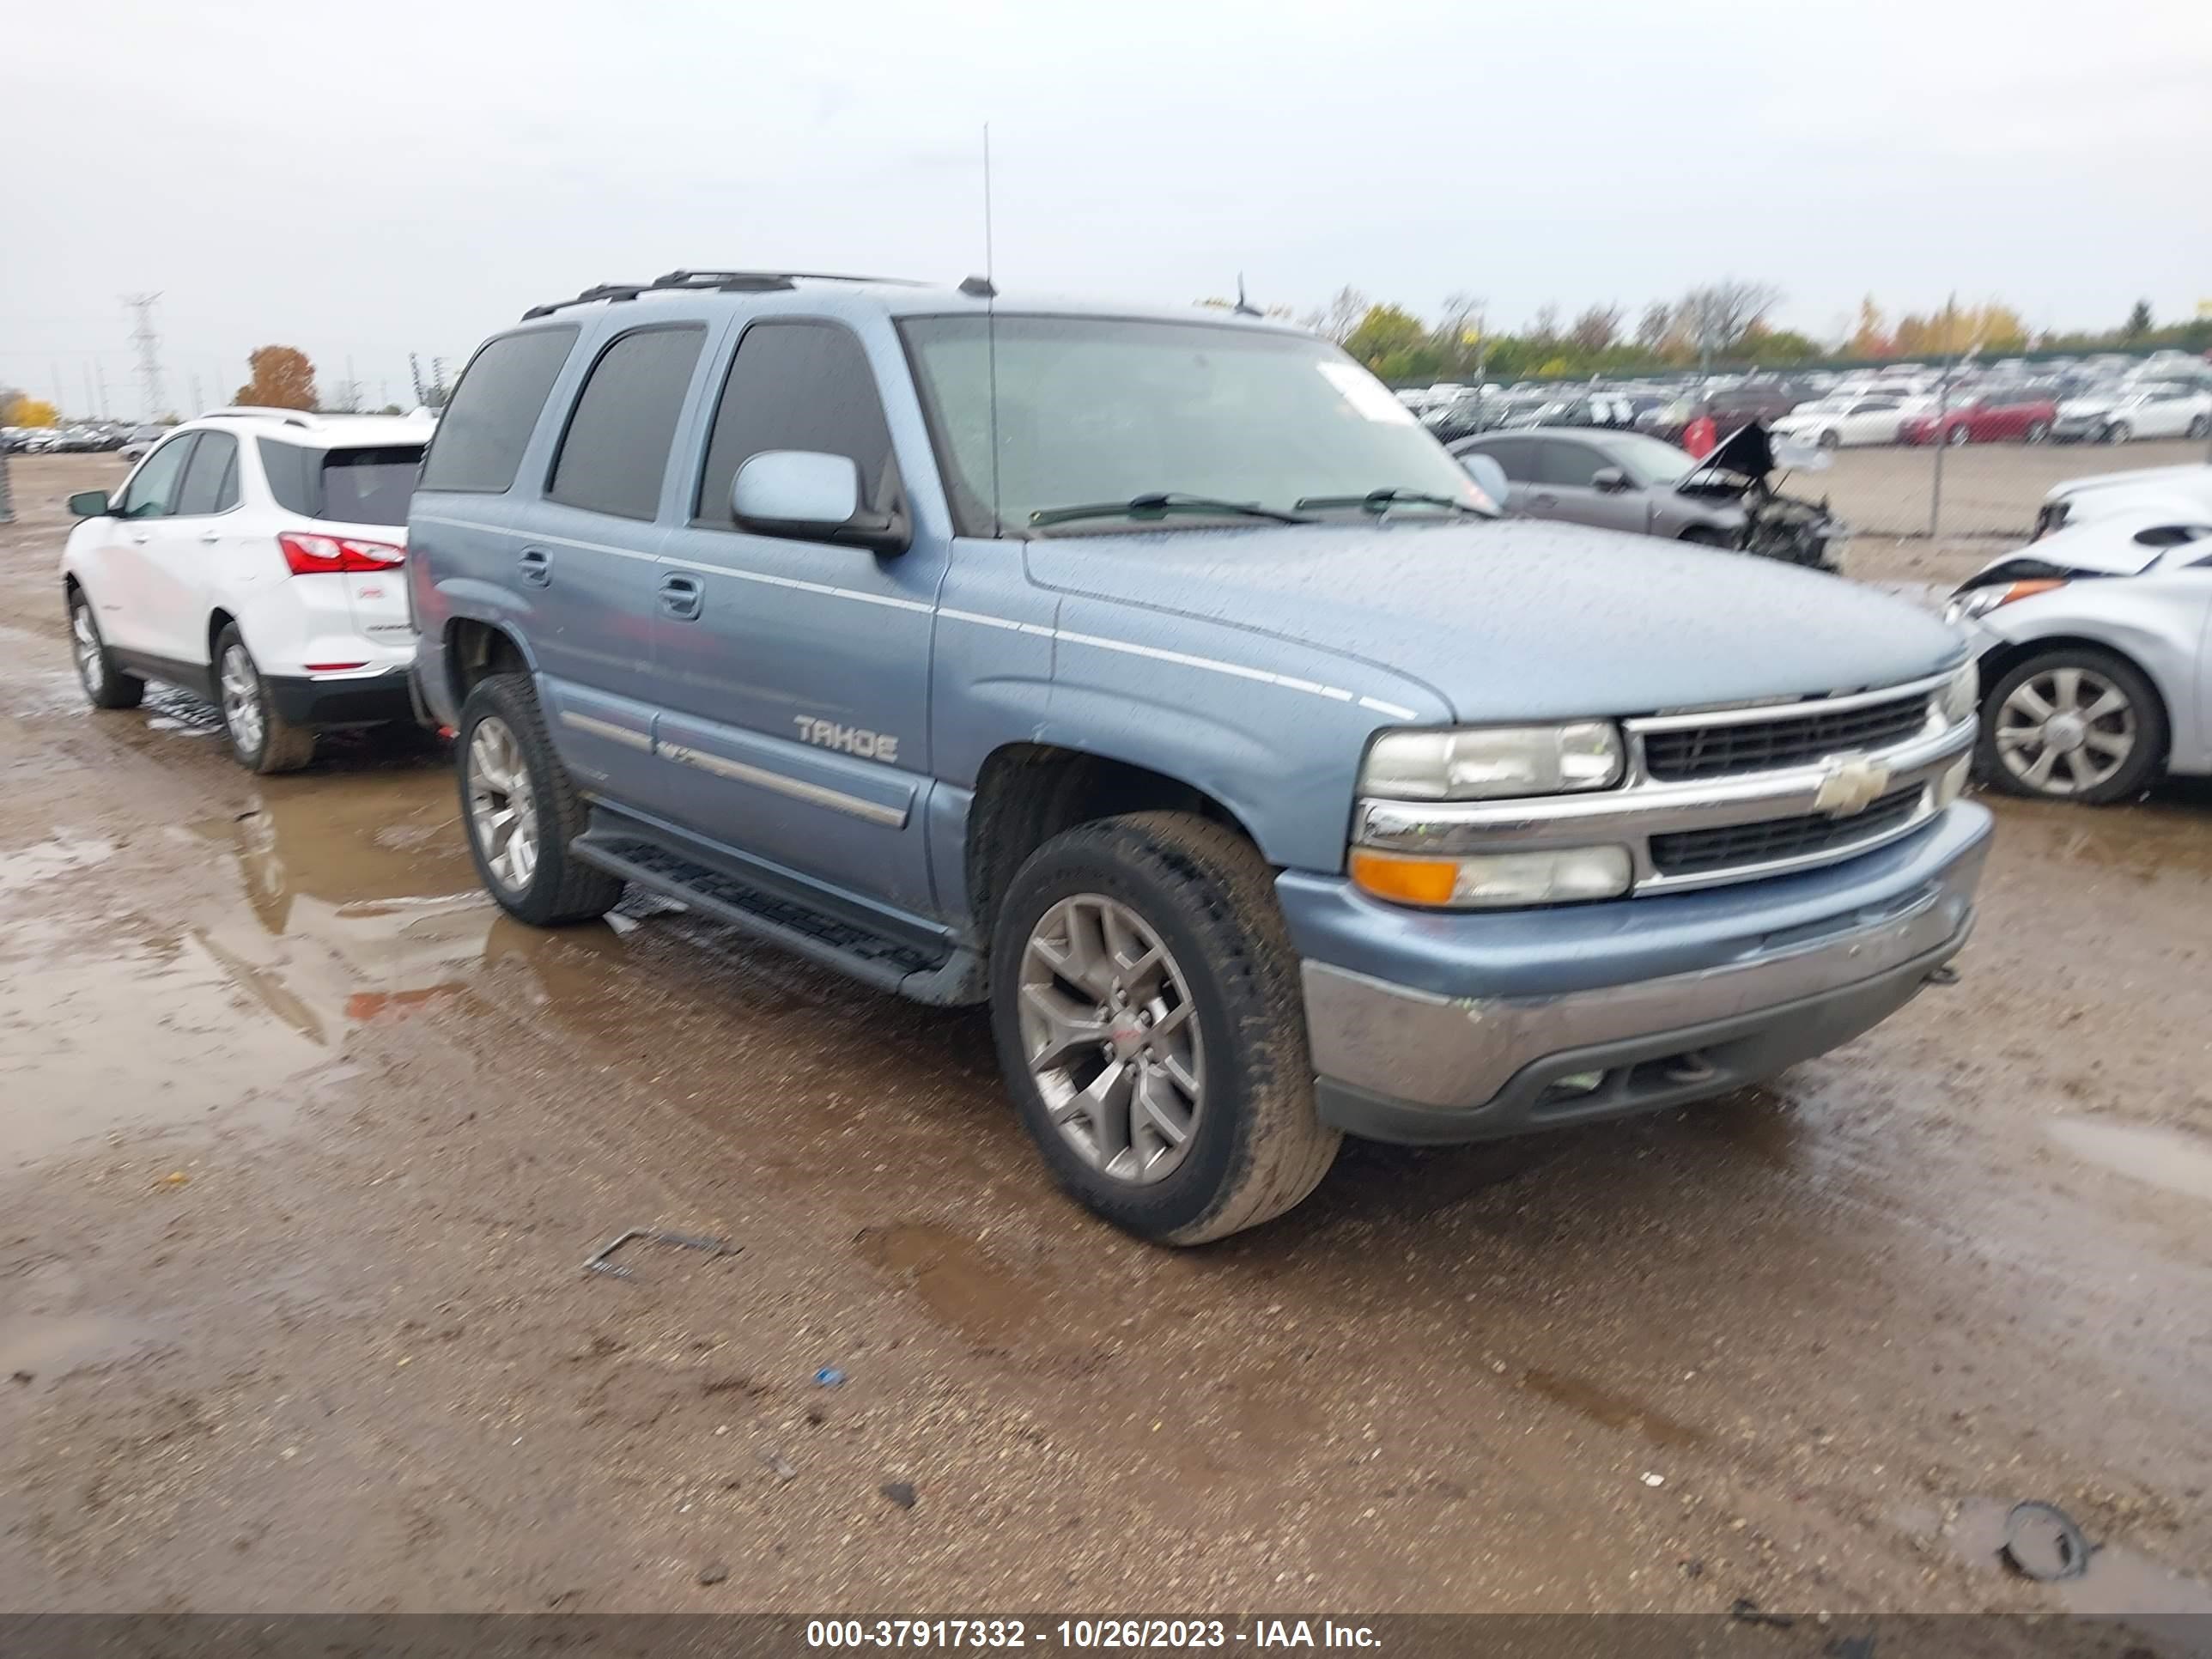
{"x":521,"y":810}
{"x":2073,"y":723}
{"x":1958,"y":437}
{"x":2038,"y":431}
{"x":1149,"y":1020}
{"x":2118,"y":433}
{"x":105,"y":685}
{"x":1831,"y":439}
{"x":2199,"y":425}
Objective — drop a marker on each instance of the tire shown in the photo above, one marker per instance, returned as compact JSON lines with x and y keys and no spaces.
{"x":1254,"y":1144}
{"x":2118,"y":433}
{"x":2146,"y":729}
{"x":261,"y":739}
{"x":551,"y":887}
{"x":2038,"y":432}
{"x":2199,"y":425}
{"x":105,"y":686}
{"x":1831,"y":439}
{"x":1959,"y":436}
{"x":1705,"y":536}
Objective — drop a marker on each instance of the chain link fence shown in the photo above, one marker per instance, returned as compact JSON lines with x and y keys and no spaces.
{"x":1987,"y":490}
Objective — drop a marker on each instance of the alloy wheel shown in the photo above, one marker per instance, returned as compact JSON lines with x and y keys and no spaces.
{"x":1112,"y":1038}
{"x":84,"y":643}
{"x":241,"y":701}
{"x":503,"y":805}
{"x":2065,"y":731}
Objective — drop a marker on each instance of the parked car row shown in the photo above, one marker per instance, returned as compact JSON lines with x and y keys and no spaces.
{"x":84,"y":439}
{"x":1282,"y":787}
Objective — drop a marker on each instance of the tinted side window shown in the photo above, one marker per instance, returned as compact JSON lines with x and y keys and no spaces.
{"x":290,"y":471}
{"x":492,"y":413}
{"x":153,"y":486}
{"x":796,"y":385}
{"x":1516,"y":455}
{"x":215,"y":461}
{"x":1568,"y":464}
{"x":615,"y":452}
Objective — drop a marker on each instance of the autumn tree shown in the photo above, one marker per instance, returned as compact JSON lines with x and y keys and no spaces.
{"x":1544,"y":325}
{"x":283,"y":378}
{"x":1597,"y":328}
{"x":2139,"y":322}
{"x":1871,"y":337}
{"x":1717,"y":315}
{"x":1386,"y":340}
{"x":1653,"y":327}
{"x":21,"y":409}
{"x":1336,"y":319}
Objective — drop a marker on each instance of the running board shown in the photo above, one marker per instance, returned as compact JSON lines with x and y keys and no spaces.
{"x":944,"y":977}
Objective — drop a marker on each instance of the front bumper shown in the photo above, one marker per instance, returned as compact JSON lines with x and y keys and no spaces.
{"x":1439,"y":1029}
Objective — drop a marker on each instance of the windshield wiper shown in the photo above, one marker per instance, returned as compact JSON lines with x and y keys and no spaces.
{"x":1159,"y":505}
{"x":1382,"y":501}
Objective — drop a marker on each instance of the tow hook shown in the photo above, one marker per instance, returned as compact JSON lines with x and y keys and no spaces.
{"x":1947,"y":975}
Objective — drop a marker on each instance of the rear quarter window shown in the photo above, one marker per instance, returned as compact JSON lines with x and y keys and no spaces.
{"x":488,"y":422}
{"x":371,"y":485}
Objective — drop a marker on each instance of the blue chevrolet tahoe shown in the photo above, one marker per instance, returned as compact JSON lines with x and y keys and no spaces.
{"x":1153,"y":677}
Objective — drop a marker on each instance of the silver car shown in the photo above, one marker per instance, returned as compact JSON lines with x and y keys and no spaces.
{"x":2093,"y":643}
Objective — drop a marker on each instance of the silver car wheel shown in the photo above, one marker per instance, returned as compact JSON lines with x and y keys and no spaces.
{"x":502,"y":806}
{"x":1112,"y":1038}
{"x":84,"y":639}
{"x":2065,"y":730}
{"x":241,"y":701}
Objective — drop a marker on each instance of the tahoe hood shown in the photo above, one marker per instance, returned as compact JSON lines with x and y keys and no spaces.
{"x":1514,"y":619}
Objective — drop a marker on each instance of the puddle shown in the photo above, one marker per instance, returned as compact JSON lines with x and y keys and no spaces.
{"x":42,"y":861}
{"x":2118,"y":1580}
{"x":1613,"y":1410}
{"x":47,"y":1346}
{"x":957,"y":1280}
{"x":2172,"y":1158}
{"x":193,"y":1047}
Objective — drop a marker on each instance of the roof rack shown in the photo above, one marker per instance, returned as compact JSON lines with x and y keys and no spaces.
{"x":723,"y":281}
{"x":261,"y":412}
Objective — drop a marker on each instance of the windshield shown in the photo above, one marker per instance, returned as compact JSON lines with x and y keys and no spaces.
{"x":1647,"y":460}
{"x":1104,"y":410}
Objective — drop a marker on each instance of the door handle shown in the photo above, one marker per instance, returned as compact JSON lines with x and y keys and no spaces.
{"x":138,"y":538}
{"x":537,"y":567}
{"x":210,"y":536}
{"x":680,"y":597}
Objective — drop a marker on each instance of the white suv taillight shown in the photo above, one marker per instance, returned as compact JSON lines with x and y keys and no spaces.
{"x":310,"y":555}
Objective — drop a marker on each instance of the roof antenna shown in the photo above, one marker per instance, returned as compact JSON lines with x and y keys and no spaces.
{"x":1243,"y":307}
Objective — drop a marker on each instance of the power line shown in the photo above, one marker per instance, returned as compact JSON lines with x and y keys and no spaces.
{"x":150,"y":352}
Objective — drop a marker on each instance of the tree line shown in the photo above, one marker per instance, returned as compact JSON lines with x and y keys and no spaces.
{"x":1724,"y":324}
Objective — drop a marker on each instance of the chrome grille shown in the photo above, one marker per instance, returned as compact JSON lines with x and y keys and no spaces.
{"x":1695,"y":852}
{"x":1726,"y":748}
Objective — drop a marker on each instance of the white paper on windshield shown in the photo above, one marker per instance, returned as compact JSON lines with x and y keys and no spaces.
{"x":1367,"y":395}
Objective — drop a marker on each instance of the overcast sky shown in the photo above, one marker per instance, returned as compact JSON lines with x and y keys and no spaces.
{"x":368,"y":179}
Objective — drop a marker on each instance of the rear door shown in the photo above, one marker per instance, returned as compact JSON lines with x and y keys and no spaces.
{"x":125,"y":588}
{"x":795,"y":674}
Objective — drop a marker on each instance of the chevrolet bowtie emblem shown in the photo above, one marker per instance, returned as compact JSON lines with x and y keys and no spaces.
{"x":1850,"y":786}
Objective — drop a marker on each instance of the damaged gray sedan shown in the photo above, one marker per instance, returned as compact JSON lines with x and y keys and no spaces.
{"x":1627,"y":481}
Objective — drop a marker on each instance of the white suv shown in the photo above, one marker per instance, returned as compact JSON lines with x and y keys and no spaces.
{"x":254,"y":557}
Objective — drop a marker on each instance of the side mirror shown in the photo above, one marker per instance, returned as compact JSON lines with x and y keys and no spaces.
{"x":1489,"y":477}
{"x":91,"y":504}
{"x":1608,"y":479}
{"x":808,"y":495}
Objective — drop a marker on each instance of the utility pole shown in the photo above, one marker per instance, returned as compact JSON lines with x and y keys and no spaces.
{"x":107,"y":411}
{"x":193,"y":382}
{"x":150,"y":352}
{"x":91,"y":403}
{"x":415,"y":372}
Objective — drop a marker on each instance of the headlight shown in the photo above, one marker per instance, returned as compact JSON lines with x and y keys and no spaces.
{"x":1495,"y":880}
{"x":1980,"y":601}
{"x":1962,"y":694}
{"x":1487,"y":763}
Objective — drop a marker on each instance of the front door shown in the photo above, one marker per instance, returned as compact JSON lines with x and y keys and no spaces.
{"x":1565,"y":487}
{"x":124,"y":589}
{"x":185,"y":549}
{"x":794,"y":675}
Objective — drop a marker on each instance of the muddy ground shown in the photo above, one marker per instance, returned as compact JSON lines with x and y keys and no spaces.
{"x":302,"y":1149}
